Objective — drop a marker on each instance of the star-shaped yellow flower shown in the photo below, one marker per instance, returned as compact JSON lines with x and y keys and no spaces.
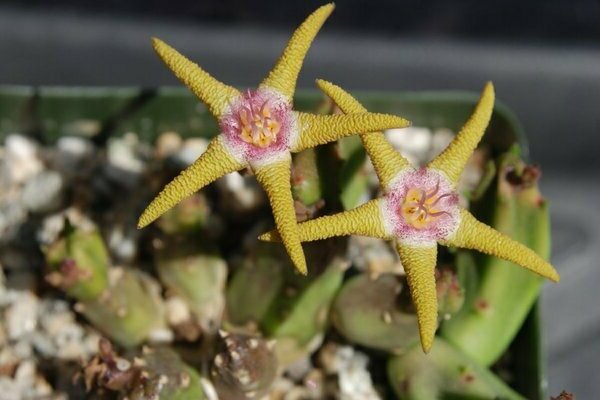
{"x":419,"y":209}
{"x":259,"y":130}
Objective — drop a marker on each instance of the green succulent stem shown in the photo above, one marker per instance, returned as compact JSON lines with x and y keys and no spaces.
{"x":129,"y":310}
{"x":168,"y":378}
{"x":306,"y":182}
{"x":444,"y":373}
{"x":196,"y":273}
{"x":79,"y":263}
{"x":293,"y":309}
{"x":255,"y":285}
{"x":366,"y":312}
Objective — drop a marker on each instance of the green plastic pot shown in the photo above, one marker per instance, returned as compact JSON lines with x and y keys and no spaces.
{"x":47,"y":113}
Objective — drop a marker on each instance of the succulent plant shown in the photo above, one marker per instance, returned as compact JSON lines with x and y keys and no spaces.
{"x":195,"y":272}
{"x":445,"y":372}
{"x":450,"y":293}
{"x":130,"y":311}
{"x":353,"y":178}
{"x":306,"y":181}
{"x":280,"y":303}
{"x":419,"y":209}
{"x":124,"y":304}
{"x":255,"y":285}
{"x":244,"y":367}
{"x":157,"y":373}
{"x":78,"y":263}
{"x":191,"y":215}
{"x":499,"y":293}
{"x":366,"y":312}
{"x":266,"y":332}
{"x":302,"y":318}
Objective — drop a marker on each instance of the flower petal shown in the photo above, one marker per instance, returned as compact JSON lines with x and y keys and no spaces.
{"x":386,"y":160}
{"x":275,"y":179}
{"x":472,"y":234}
{"x":284,"y":75}
{"x":364,"y":220}
{"x":212,"y":164}
{"x":419,"y":265}
{"x":321,"y":129}
{"x":453,"y":159}
{"x":215,"y":94}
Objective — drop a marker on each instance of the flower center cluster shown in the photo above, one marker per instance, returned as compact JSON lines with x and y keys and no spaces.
{"x":421,"y":207}
{"x":256,"y":124}
{"x":259,"y":126}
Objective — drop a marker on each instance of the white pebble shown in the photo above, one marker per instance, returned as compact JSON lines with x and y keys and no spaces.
{"x":44,"y":192}
{"x":241,"y":193}
{"x":122,"y":243}
{"x":161,"y":335}
{"x":373,"y":256}
{"x":21,"y":316}
{"x":167,"y":144}
{"x":75,"y":146}
{"x":22,"y":158}
{"x":191,"y":150}
{"x":122,"y":155}
{"x":12,"y":216}
{"x":413,"y":143}
{"x":177,"y":311}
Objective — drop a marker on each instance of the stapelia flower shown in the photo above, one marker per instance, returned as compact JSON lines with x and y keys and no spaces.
{"x":419,"y":209}
{"x":259,"y":130}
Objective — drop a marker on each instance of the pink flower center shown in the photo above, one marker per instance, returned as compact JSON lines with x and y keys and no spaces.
{"x":257,"y":125}
{"x":422,"y":207}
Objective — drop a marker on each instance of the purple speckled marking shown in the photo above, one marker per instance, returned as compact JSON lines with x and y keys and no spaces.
{"x":442,"y":225}
{"x":281,"y":111}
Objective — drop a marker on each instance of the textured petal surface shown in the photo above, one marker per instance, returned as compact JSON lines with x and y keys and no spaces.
{"x":472,"y":234}
{"x":453,"y":159}
{"x":419,"y":265}
{"x":321,"y":129}
{"x":364,"y":220}
{"x":216,"y":95}
{"x":212,"y":164}
{"x":386,"y":160}
{"x":275,"y":179}
{"x":284,"y":75}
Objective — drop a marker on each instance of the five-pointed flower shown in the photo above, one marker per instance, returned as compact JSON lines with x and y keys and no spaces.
{"x":419,"y":209}
{"x":259,"y":130}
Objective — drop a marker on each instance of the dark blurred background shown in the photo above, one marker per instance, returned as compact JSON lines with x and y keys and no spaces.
{"x":537,"y":20}
{"x":543,"y":56}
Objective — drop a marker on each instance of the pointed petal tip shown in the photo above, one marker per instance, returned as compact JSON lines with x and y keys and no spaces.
{"x":489,"y":88}
{"x":160,"y":47}
{"x":329,"y":88}
{"x":144,"y":221}
{"x":271,"y":236}
{"x":299,"y":263}
{"x":157,"y":43}
{"x":329,"y":7}
{"x":384,"y":121}
{"x":323,"y":84}
{"x":426,"y":344}
{"x":402,"y":123}
{"x":302,"y":271}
